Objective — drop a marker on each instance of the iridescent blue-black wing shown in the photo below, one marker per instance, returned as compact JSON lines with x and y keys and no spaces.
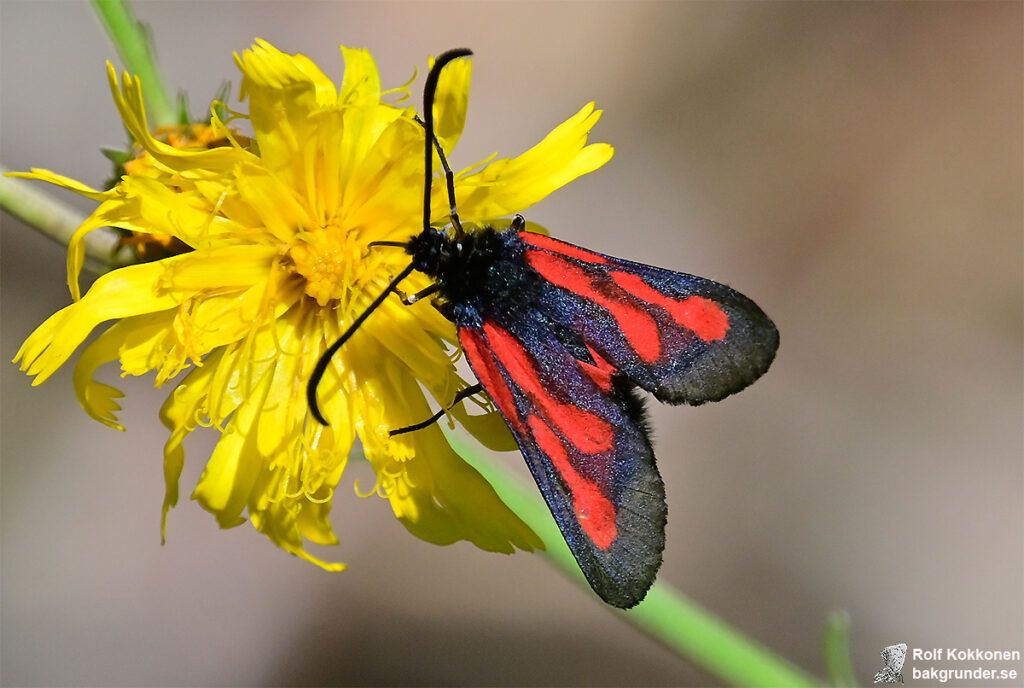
{"x":683,"y":338}
{"x":561,"y":367}
{"x":585,"y":441}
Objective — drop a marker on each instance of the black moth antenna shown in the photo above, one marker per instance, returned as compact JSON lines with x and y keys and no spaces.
{"x":430,"y":142}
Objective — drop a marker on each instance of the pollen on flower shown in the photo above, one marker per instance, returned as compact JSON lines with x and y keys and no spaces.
{"x":326,"y":263}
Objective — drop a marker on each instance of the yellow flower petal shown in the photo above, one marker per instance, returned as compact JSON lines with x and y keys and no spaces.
{"x":279,"y":212}
{"x":227,"y":267}
{"x":510,"y":185}
{"x":462,"y":505}
{"x":265,"y":67}
{"x":396,"y":158}
{"x":129,"y":102}
{"x":96,"y":398}
{"x":118,"y":294}
{"x":361,"y":83}
{"x":234,"y":467}
{"x":180,"y":415}
{"x":282,"y":124}
{"x":64,"y":182}
{"x":142,"y":343}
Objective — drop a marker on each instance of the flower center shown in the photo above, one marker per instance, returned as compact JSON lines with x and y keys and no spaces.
{"x":326,"y":263}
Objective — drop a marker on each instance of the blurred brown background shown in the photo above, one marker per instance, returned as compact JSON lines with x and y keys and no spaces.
{"x":855,"y":168}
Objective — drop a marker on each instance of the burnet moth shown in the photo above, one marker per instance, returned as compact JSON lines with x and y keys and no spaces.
{"x":560,"y":337}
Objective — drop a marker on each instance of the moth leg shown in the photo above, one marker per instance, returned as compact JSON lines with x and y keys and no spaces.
{"x":467,"y":392}
{"x":410,"y":299}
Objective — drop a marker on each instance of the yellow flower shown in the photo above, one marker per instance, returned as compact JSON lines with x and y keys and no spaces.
{"x":276,"y":265}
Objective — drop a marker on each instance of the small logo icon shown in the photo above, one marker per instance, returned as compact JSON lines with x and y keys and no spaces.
{"x":893,"y":656}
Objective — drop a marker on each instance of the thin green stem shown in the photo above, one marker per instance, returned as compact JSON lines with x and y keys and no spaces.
{"x":59,"y":221}
{"x":135,"y":47}
{"x":665,"y":614}
{"x":838,"y":666}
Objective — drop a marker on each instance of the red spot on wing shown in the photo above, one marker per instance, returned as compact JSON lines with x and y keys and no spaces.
{"x":637,"y":325}
{"x":541,"y":241}
{"x":589,"y":433}
{"x":703,"y":316}
{"x":594,"y":511}
{"x":486,"y":370}
{"x":601,"y":373}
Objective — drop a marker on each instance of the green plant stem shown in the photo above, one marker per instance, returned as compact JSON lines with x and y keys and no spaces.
{"x":665,"y":614}
{"x":135,"y":48}
{"x":838,"y":666}
{"x":59,"y":221}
